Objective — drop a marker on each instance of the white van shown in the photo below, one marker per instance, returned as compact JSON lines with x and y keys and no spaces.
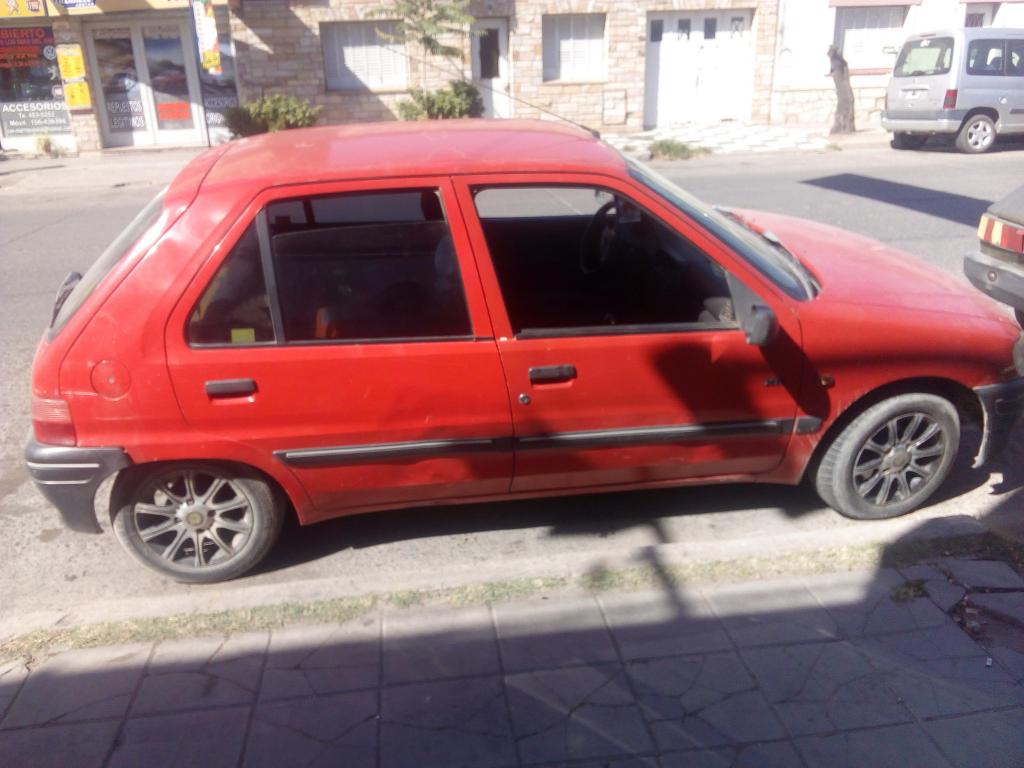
{"x":967,"y":82}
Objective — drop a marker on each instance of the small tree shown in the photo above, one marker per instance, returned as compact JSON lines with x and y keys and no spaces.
{"x":840,"y":71}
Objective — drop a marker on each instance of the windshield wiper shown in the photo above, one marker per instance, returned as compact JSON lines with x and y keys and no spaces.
{"x":796,"y":266}
{"x":63,"y":292}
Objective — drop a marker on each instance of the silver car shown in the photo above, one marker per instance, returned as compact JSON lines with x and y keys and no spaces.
{"x":963,"y":82}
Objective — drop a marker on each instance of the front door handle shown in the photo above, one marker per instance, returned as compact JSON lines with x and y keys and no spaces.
{"x":230,"y":388}
{"x":551,"y":374}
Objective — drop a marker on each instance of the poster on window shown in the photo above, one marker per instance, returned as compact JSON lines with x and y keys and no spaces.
{"x":220,"y":92}
{"x":31,"y":94}
{"x":206,"y":36}
{"x":119,"y":79}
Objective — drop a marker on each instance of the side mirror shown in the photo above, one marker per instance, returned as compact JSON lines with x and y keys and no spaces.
{"x":760,"y":325}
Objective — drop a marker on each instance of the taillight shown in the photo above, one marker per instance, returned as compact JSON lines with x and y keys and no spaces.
{"x":950,"y":101}
{"x":1001,"y":234}
{"x":51,"y":421}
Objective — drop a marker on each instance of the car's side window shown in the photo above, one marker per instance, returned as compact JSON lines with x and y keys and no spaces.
{"x":234,"y":308}
{"x":985,"y":57}
{"x":371,"y":266}
{"x":584,"y":260}
{"x":1015,"y":58}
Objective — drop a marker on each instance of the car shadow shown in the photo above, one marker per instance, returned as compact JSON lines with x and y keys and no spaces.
{"x":959,"y":209}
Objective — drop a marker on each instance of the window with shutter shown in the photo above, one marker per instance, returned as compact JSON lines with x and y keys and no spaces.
{"x":363,"y":55}
{"x":574,"y":47}
{"x":870,"y":36}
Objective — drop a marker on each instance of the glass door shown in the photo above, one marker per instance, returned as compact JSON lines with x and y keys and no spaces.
{"x":149,"y":84}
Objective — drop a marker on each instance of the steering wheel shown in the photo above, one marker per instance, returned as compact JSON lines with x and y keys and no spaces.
{"x":599,"y":239}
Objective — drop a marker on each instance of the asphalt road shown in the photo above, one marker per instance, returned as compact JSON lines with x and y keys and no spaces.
{"x":57,"y":215}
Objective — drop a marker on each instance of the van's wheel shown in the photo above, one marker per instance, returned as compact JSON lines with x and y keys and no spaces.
{"x":977,"y":135}
{"x":904,"y":140}
{"x":891,"y":458}
{"x":196,"y":522}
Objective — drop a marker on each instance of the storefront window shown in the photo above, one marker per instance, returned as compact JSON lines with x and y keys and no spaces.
{"x":166,"y":63}
{"x":122,"y":95}
{"x":31,"y":95}
{"x":220,"y":92}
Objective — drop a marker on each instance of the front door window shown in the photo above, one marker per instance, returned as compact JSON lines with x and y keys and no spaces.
{"x":168,"y":78}
{"x":119,"y":79}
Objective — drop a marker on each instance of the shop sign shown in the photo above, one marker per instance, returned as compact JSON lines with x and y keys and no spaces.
{"x":28,"y":118}
{"x":77,"y":3}
{"x":206,"y":36}
{"x":31,"y":91}
{"x":71,"y":63}
{"x":21,"y":9}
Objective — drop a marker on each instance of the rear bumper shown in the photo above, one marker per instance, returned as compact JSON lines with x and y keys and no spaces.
{"x":946,"y":121}
{"x":1000,"y":279}
{"x":68,"y":477}
{"x":1003,"y":405}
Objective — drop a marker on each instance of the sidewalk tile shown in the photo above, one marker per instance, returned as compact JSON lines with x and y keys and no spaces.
{"x":85,"y":684}
{"x":975,"y":574}
{"x":954,"y":687}
{"x":903,"y":649}
{"x":771,"y":612}
{"x":439,"y":643}
{"x":202,"y":672}
{"x":1011,"y":660}
{"x":986,"y":740}
{"x":575,"y":713}
{"x":624,"y":762}
{"x":896,"y":746}
{"x":940,"y":590}
{"x":1008,"y":606}
{"x":212,"y":739}
{"x":819,"y":688}
{"x":84,"y":745}
{"x":778,"y":754}
{"x":329,"y":730}
{"x":647,"y":624}
{"x":453,"y":723}
{"x":538,"y":634}
{"x":319,"y":659}
{"x":861,"y":603}
{"x":702,"y":701}
{"x":12,"y":675}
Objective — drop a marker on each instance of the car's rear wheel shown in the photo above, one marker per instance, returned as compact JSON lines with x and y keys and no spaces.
{"x":196,"y":522}
{"x":977,"y":135}
{"x":891,"y":458}
{"x":904,"y":140}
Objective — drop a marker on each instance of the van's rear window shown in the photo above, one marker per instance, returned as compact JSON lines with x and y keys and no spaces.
{"x":146,"y":218}
{"x":926,"y":56}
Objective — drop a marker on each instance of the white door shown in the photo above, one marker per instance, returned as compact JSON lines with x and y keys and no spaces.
{"x":699,"y":68}
{"x":148,"y":84}
{"x":491,"y":71}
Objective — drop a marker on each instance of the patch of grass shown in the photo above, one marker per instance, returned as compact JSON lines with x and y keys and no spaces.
{"x":908,"y":590}
{"x":598,"y":579}
{"x":670,"y":149}
{"x":833,"y":147}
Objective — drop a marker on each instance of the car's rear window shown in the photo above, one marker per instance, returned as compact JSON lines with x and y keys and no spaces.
{"x":927,"y":56}
{"x":145,"y":219}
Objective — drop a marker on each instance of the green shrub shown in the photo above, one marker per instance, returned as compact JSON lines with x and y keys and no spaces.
{"x":460,"y":99}
{"x":670,"y":149}
{"x":276,"y":112}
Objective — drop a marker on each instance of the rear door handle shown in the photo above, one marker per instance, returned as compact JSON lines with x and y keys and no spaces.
{"x":230,"y":388}
{"x":550,"y":374}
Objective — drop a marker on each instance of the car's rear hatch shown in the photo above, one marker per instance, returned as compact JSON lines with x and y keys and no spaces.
{"x":921,"y":79}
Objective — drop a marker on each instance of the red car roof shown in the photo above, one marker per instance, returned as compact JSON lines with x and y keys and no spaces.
{"x":441,"y":147}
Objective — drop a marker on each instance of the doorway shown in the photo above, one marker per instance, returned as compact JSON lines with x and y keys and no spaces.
{"x":491,"y":72}
{"x":145,"y":74}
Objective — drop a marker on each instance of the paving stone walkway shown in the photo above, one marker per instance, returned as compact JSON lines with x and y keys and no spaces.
{"x":852,"y":669}
{"x":724,"y":138}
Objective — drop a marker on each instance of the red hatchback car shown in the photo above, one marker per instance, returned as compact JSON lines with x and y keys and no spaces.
{"x":347,"y":319}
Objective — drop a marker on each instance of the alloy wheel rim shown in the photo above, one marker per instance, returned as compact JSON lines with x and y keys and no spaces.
{"x":899,"y":459}
{"x":194,"y":519}
{"x":979,"y":135}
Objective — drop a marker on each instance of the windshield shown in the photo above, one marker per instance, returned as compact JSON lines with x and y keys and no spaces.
{"x":108,"y":259}
{"x":758,"y":252}
{"x":927,"y":56}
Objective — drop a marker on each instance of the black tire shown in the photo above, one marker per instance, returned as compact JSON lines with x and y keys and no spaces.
{"x":241,"y":519}
{"x":921,"y":474}
{"x":977,"y":135}
{"x":904,"y":140}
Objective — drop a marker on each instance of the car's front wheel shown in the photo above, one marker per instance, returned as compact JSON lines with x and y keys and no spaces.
{"x":890,"y":458}
{"x":196,"y":522}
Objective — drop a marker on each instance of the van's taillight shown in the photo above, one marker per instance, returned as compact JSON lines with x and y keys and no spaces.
{"x":950,"y":101}
{"x":51,"y":421}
